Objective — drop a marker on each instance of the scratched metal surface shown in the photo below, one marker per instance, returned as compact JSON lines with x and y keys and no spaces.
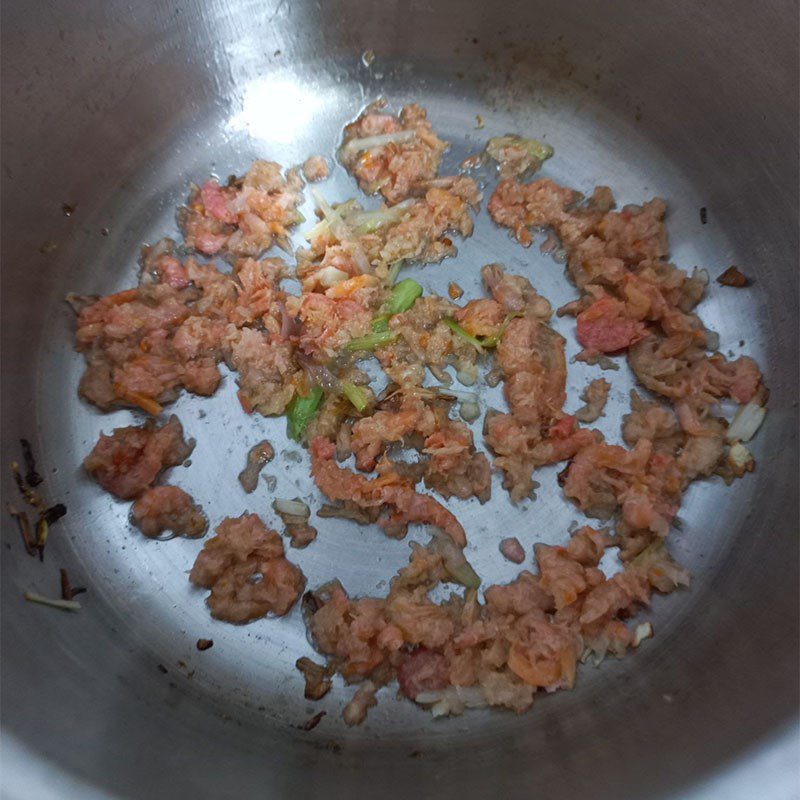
{"x":119,"y":110}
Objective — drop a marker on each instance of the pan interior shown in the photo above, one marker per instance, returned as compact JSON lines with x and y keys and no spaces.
{"x":178,"y":119}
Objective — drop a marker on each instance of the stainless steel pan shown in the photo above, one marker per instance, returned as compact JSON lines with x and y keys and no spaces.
{"x":112,"y":108}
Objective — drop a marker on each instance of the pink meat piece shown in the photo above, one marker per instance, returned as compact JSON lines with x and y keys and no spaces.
{"x":129,"y":460}
{"x":245,"y":568}
{"x":168,"y":508}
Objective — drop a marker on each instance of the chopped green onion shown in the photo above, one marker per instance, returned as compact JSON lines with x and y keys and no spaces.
{"x":356,"y":395}
{"x":459,"y":331}
{"x":301,"y":411}
{"x":394,"y":271}
{"x":402,"y":297}
{"x":371,"y":341}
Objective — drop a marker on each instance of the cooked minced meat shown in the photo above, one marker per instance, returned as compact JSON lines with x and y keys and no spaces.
{"x":391,"y":154}
{"x":344,"y":257}
{"x":315,"y":168}
{"x":143,"y":345}
{"x":306,"y":355}
{"x":168,"y":508}
{"x":127,"y":461}
{"x":512,"y":549}
{"x":527,"y":636}
{"x":355,"y":712}
{"x":258,"y":457}
{"x":317,"y":678}
{"x":246,"y":569}
{"x":453,"y":466}
{"x":389,"y":492}
{"x":595,"y":396}
{"x":244,"y":217}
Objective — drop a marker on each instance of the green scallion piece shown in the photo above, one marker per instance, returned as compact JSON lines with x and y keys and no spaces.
{"x":301,"y":411}
{"x":371,"y":341}
{"x":459,"y":331}
{"x":356,"y":395}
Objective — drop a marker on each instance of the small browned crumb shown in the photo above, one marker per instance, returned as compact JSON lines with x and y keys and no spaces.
{"x":68,"y":591}
{"x":355,"y":712}
{"x":30,"y":497}
{"x":312,"y":722}
{"x":68,"y":209}
{"x":454,"y":290}
{"x":733,"y":277}
{"x":317,"y":677}
{"x":478,"y":121}
{"x":300,"y":536}
{"x":512,"y":550}
{"x":296,"y":524}
{"x":258,"y":456}
{"x":595,"y":395}
{"x":315,"y":168}
{"x":204,"y":644}
{"x":473,"y":161}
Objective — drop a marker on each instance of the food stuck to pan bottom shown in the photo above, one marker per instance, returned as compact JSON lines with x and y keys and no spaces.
{"x":311,"y":355}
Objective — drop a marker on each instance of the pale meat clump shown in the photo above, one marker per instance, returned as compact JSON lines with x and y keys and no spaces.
{"x":531,"y":357}
{"x":391,"y":154}
{"x":315,"y":168}
{"x":143,"y":345}
{"x":351,"y":250}
{"x":168,"y":508}
{"x":129,"y":460}
{"x":425,"y":340}
{"x":595,"y":396}
{"x":527,"y":636}
{"x":303,"y":355}
{"x":450,"y":463}
{"x":245,"y":568}
{"x":390,"y":494}
{"x":635,"y":302}
{"x":244,"y":217}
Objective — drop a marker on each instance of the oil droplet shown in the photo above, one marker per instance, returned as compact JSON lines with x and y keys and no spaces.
{"x":68,"y":209}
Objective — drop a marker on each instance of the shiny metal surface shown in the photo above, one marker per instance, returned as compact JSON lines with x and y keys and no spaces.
{"x":114,"y":108}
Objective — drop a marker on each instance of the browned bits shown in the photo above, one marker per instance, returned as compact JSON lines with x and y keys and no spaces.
{"x":312,"y":722}
{"x":34,"y":538}
{"x":258,"y":456}
{"x":67,"y":590}
{"x":32,"y":477}
{"x":454,"y":290}
{"x":318,"y":682}
{"x":733,"y":277}
{"x":205,"y":644}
